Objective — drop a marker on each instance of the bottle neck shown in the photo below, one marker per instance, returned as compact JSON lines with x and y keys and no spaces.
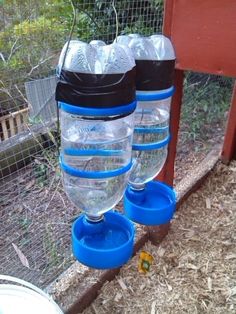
{"x":94,"y":219}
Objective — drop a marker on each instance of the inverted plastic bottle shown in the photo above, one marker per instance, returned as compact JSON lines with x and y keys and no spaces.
{"x":96,"y":94}
{"x":146,"y":201}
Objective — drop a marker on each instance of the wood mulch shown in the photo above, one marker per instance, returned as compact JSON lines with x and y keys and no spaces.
{"x":194,"y":268}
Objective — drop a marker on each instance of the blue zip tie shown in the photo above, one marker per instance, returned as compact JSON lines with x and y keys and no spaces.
{"x":151,"y":130}
{"x":92,"y":152}
{"x":93,"y":174}
{"x":151,"y":146}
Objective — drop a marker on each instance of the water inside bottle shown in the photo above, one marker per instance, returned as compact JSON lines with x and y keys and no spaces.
{"x":152,"y":126}
{"x":96,"y":146}
{"x":147,"y":165}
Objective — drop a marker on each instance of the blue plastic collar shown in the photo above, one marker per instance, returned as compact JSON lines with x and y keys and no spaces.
{"x":93,"y":174}
{"x":155,"y":95}
{"x":104,"y":112}
{"x":151,"y":146}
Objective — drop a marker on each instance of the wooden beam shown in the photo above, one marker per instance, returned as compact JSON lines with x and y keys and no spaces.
{"x":203,"y":34}
{"x":167,"y":174}
{"x":168,"y":13}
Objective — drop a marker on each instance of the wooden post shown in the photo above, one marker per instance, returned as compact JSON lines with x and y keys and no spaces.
{"x":157,"y":233}
{"x":168,"y":14}
{"x":229,"y":146}
{"x":168,"y":171}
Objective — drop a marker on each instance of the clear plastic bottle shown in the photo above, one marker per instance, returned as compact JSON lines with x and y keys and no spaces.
{"x":96,"y":146}
{"x":96,"y":143}
{"x":147,"y":201}
{"x":155,"y":59}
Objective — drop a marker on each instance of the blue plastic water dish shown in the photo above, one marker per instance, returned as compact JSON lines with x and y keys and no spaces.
{"x":155,"y":205}
{"x":105,"y":244}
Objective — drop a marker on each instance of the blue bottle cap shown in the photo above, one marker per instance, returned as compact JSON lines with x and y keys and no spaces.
{"x":105,"y":244}
{"x":155,"y":205}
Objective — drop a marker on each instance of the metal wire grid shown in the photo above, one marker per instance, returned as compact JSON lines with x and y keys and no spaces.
{"x":35,"y":214}
{"x":206,"y":101}
{"x":144,"y":17}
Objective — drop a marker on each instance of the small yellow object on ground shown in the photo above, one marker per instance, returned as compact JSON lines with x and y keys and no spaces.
{"x":145,"y":261}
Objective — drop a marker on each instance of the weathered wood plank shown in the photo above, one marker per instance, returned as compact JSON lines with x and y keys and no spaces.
{"x":12,"y":126}
{"x":15,"y":113}
{"x":18,"y":123}
{"x":4,"y":130}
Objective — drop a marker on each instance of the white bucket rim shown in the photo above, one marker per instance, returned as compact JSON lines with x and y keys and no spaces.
{"x":18,"y":288}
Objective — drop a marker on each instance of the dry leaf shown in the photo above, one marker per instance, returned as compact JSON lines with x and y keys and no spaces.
{"x":118,"y":297}
{"x":195,"y":239}
{"x":230,"y":256}
{"x":19,"y":208}
{"x":233,"y":291}
{"x":161,"y":251}
{"x":190,"y":234}
{"x":122,"y":284}
{"x":21,"y":256}
{"x":29,"y":185}
{"x":208,"y":203}
{"x":209,"y":283}
{"x":191,"y":266}
{"x":94,"y":308}
{"x":153,"y":307}
{"x":169,"y":287}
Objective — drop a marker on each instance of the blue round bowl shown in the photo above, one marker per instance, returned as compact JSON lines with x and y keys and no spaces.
{"x":155,"y":205}
{"x":105,"y":244}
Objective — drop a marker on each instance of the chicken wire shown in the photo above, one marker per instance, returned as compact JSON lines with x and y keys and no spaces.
{"x":35,"y":213}
{"x":205,"y":105}
{"x":206,"y":101}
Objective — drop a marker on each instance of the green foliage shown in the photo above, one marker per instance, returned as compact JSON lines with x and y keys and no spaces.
{"x":144,"y":17}
{"x":33,"y":33}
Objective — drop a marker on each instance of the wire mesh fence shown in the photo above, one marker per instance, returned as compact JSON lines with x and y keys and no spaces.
{"x":206,"y":100}
{"x":35,"y":214}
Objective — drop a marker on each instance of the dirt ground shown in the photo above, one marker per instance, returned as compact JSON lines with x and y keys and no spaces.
{"x":194,"y":268}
